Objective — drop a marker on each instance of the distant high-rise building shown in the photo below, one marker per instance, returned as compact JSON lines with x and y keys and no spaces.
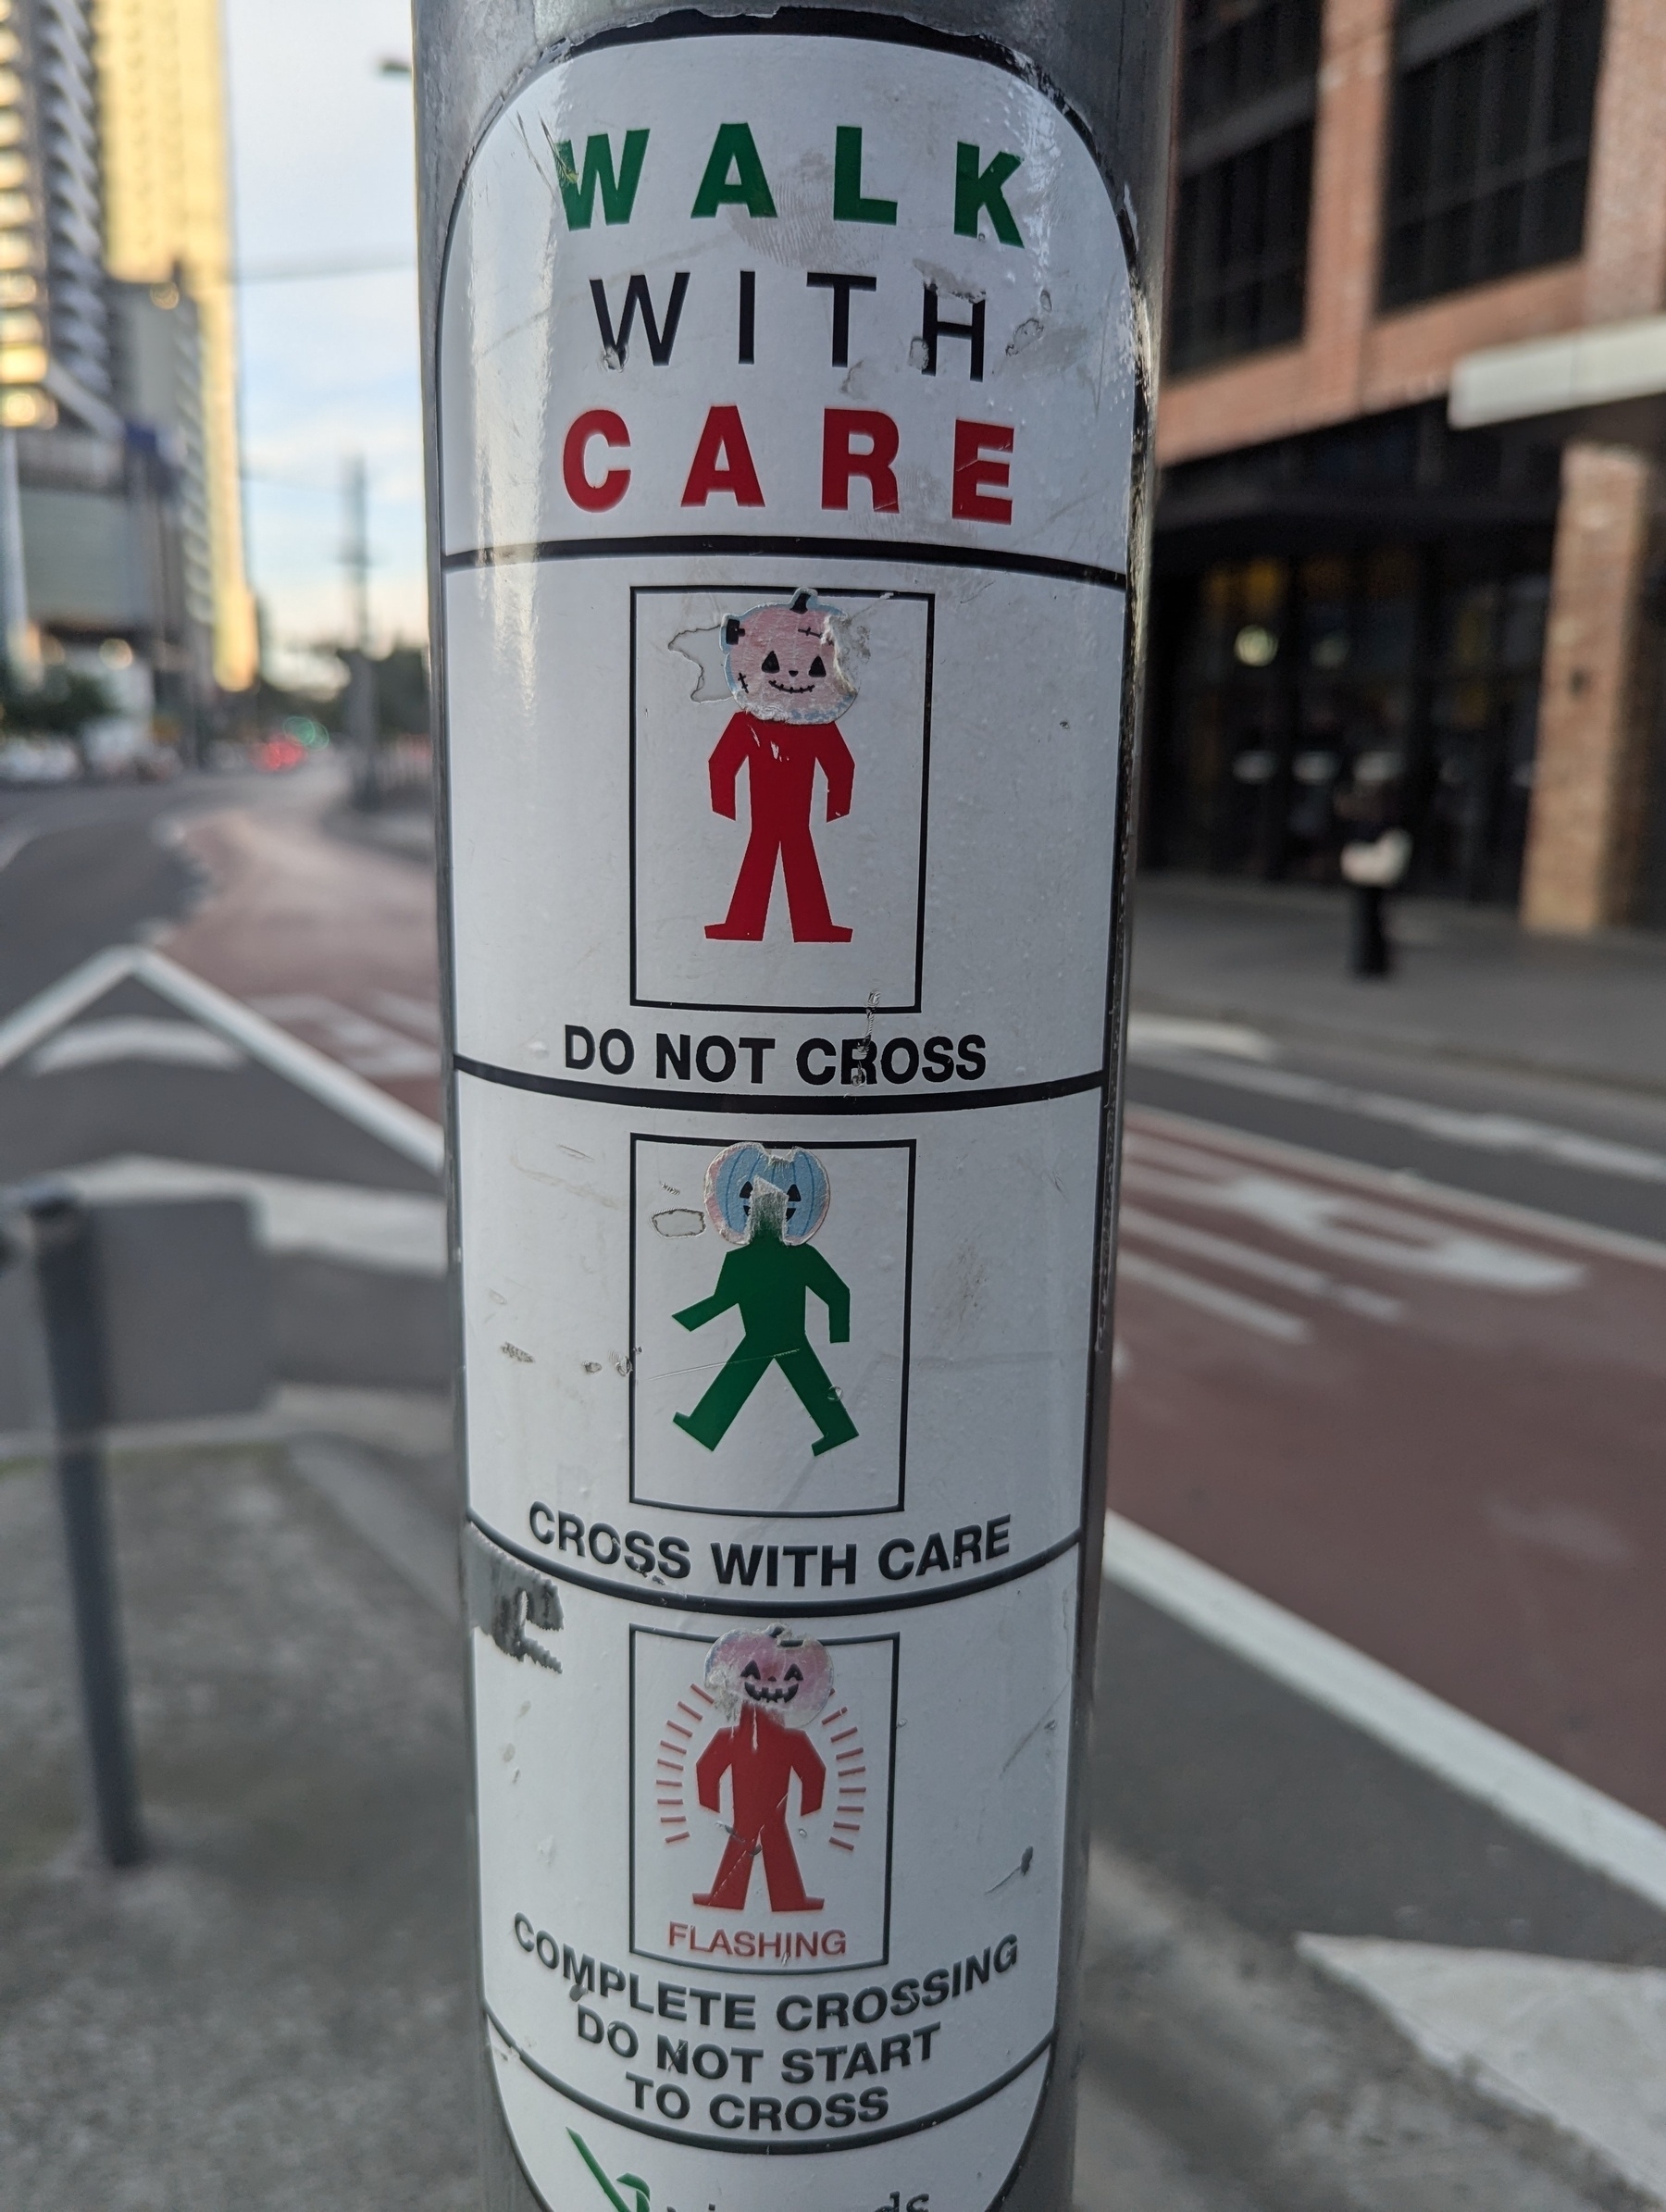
{"x":167,"y":220}
{"x":53,"y":338}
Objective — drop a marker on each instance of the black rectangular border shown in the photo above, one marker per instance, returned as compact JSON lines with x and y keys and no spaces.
{"x":763,"y":1006}
{"x":843,"y":1966}
{"x":835,"y":1144}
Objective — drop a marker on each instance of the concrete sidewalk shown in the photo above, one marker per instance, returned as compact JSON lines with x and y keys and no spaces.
{"x":1469,"y":984}
{"x":276,"y":2011}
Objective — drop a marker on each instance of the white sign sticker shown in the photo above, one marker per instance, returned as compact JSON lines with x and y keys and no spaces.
{"x":785,"y":469}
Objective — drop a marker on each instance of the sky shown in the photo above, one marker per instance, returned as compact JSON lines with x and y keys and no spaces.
{"x":322,"y":173}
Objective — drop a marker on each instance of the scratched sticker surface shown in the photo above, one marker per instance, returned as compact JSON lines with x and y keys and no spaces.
{"x":785,"y":506}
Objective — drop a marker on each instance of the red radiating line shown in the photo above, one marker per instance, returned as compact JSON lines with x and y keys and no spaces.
{"x":844,"y":1754}
{"x":676,"y":1750}
{"x":676,"y":1729}
{"x":846,"y":1735}
{"x":829,"y":1718}
{"x":849,"y":1827}
{"x":671,"y":1820}
{"x":839,"y":1844}
{"x":689,"y":1710}
{"x":675,"y":1839}
{"x":699,"y":1693}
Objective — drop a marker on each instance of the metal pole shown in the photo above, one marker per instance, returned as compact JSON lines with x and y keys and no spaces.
{"x":67,"y":1277}
{"x":14,"y":589}
{"x":361,"y":675}
{"x":787,"y":377}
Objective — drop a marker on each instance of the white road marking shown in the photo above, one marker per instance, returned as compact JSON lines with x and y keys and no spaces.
{"x":1227,"y":1305}
{"x":61,"y":1001}
{"x":1401,"y":1183}
{"x":1155,"y":1035}
{"x":399,"y":1126}
{"x":368,"y":1048}
{"x":133,"y":1037}
{"x":1481,"y":1132}
{"x":420,"y":1016}
{"x":1464,"y":1753}
{"x":1290,"y":1274}
{"x":1336,"y":1221}
{"x":1578,"y":2044}
{"x":395,"y":1232}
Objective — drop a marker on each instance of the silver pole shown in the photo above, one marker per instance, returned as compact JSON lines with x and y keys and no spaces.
{"x":669,"y":398}
{"x":14,"y":589}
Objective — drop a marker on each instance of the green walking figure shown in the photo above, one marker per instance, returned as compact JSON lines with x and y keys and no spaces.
{"x":768,"y":1279}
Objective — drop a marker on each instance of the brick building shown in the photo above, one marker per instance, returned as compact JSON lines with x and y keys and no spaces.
{"x":1407,"y":543}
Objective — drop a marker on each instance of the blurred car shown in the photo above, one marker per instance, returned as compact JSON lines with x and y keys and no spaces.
{"x":39,"y":761}
{"x":276,"y":755}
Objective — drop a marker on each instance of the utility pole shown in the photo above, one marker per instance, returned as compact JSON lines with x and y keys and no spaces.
{"x":788,"y":379}
{"x":18,"y":638}
{"x":361,"y":675}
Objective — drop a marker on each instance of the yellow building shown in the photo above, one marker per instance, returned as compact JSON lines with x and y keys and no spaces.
{"x":168,"y":207}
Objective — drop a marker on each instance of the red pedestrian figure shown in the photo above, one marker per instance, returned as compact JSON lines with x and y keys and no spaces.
{"x":783,"y":663}
{"x":763,"y":1674}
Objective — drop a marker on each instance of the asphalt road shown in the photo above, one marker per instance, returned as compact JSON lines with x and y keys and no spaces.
{"x":80,"y":868}
{"x":1433,"y":1433}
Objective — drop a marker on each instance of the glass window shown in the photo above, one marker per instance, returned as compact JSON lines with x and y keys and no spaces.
{"x":1492,"y":138}
{"x":1245,"y":162}
{"x":1240,"y":266}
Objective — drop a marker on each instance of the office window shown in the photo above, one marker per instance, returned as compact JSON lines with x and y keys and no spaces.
{"x":1237,"y":50}
{"x":1239,"y":252}
{"x":1492,"y":140}
{"x":1238,"y":268}
{"x":1239,"y":265}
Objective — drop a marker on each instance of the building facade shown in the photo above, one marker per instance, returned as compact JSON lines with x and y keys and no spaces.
{"x":1377,"y":604}
{"x":168,"y":223}
{"x":106,"y":553}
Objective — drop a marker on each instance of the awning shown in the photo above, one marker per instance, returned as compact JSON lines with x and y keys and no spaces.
{"x":1611,"y":380}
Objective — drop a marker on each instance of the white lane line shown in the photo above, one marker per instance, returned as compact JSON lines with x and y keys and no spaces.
{"x":1497,"y":1133}
{"x":419,"y":1016}
{"x":133,"y":1037}
{"x":399,"y":1126}
{"x":1290,"y":1274}
{"x":61,"y":1001}
{"x":1237,"y":1145}
{"x":1576,"y":2043}
{"x":12,"y":842}
{"x":1338,"y":1223}
{"x":1227,"y":1305}
{"x":1536,"y":1796}
{"x":1157,"y":1037}
{"x":368,"y":1048}
{"x":394,"y":1232}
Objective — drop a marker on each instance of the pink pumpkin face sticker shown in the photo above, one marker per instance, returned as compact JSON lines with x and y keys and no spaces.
{"x":772,"y":1670}
{"x":782,"y":662}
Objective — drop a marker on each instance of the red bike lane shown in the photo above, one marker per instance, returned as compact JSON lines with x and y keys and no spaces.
{"x":1429,"y":1424}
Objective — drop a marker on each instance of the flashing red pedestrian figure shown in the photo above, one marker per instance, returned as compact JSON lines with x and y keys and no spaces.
{"x":782,"y":663}
{"x":775,"y":1687}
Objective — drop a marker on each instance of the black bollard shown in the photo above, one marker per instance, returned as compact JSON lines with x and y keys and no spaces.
{"x":71,"y":1311}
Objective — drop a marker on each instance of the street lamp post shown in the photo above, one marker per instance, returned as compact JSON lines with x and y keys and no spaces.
{"x":788,"y":379}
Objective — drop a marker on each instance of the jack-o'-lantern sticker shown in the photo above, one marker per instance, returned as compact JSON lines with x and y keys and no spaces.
{"x":770,"y":1694}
